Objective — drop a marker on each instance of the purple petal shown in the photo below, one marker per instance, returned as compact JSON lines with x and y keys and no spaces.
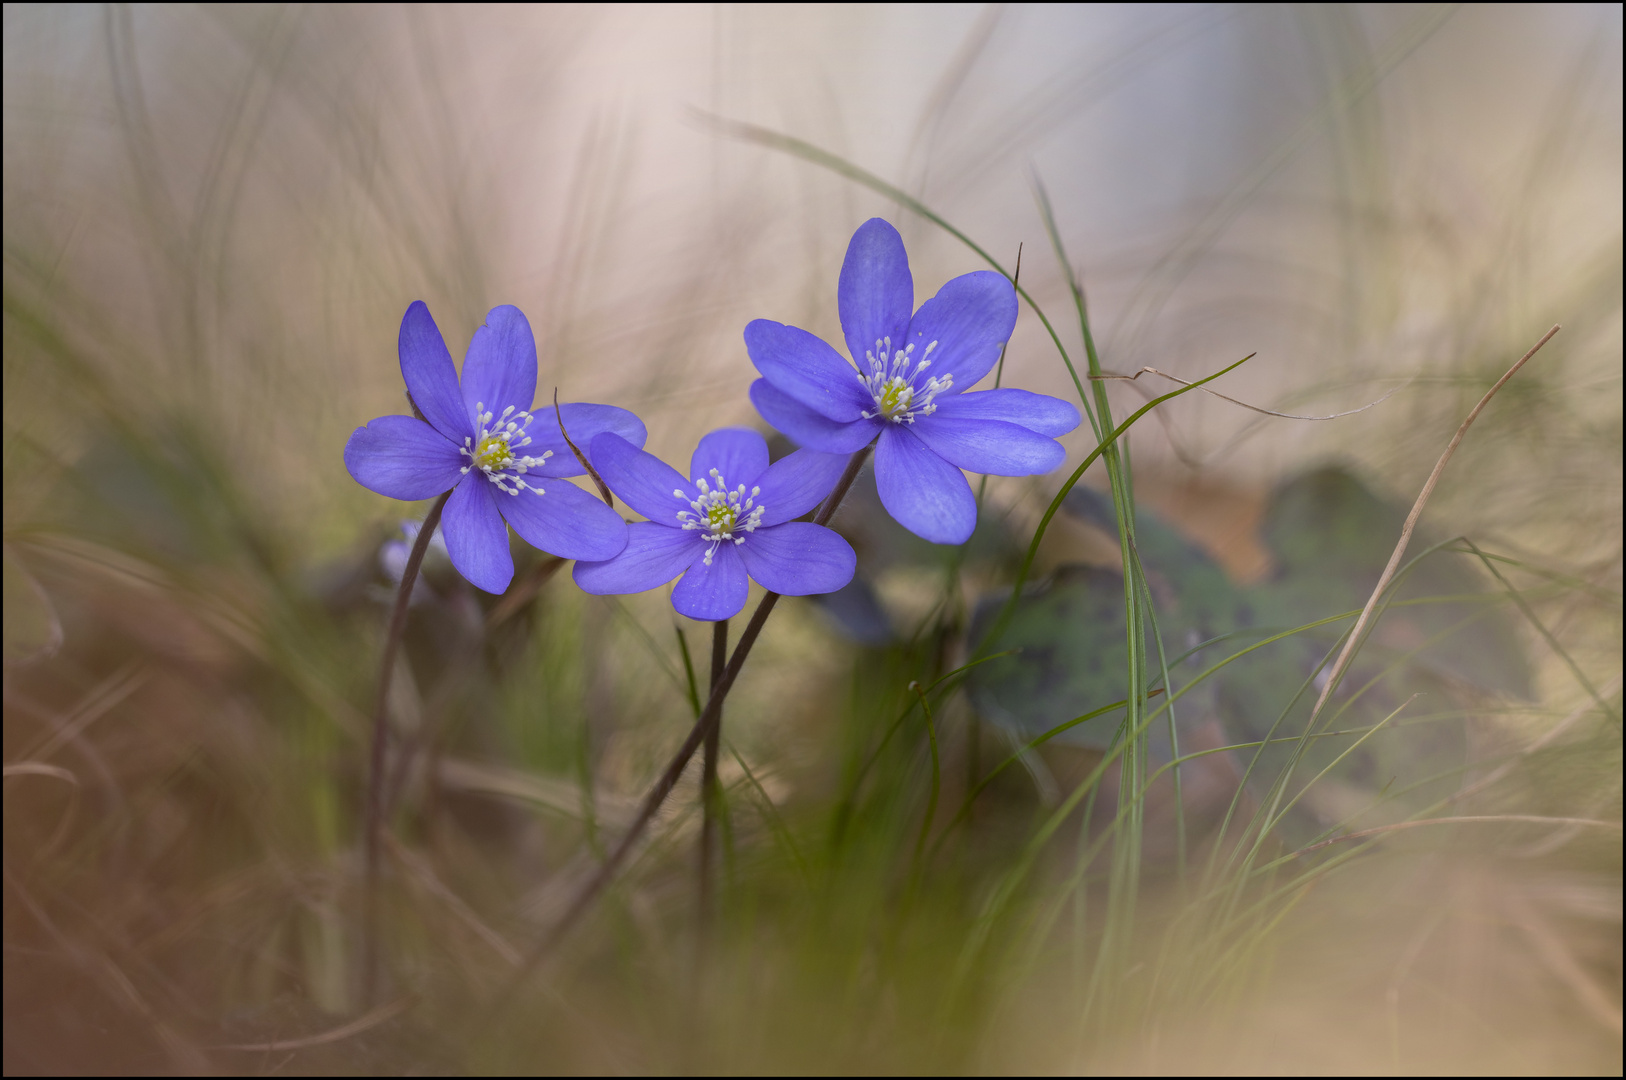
{"x":797,"y":483}
{"x":970,"y":318}
{"x":738,"y":454}
{"x":565,"y":521}
{"x":1036,"y":412}
{"x":584,"y":422}
{"x":989,"y":446}
{"x":500,"y":369}
{"x":642,"y":480}
{"x":402,"y":457}
{"x":808,"y":369}
{"x":476,"y":538}
{"x":430,"y":378}
{"x":798,"y":558}
{"x":802,"y":425}
{"x":713,"y":592}
{"x":654,"y":555}
{"x":876,"y":293}
{"x":922,"y":492}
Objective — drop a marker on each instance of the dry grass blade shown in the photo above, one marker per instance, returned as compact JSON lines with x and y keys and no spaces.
{"x":425,"y":874}
{"x":101,"y":700}
{"x":363,"y":1023}
{"x":603,"y":488}
{"x":1354,"y":639}
{"x":35,"y":768}
{"x":1609,"y":689}
{"x":95,"y":961}
{"x":1506,"y":819}
{"x":1104,"y":376}
{"x":1556,"y":955}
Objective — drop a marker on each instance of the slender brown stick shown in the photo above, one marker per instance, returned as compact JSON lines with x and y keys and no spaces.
{"x":338,"y":1034}
{"x":1526,"y":819}
{"x":1354,"y":640}
{"x":710,"y":794}
{"x":668,"y":779}
{"x":581,"y":458}
{"x":374,"y":822}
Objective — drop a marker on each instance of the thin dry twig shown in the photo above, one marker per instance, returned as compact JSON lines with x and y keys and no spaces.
{"x":425,"y":874}
{"x":1506,"y":819}
{"x":1109,"y":375}
{"x":339,"y":1034}
{"x":101,"y":700}
{"x":603,"y":488}
{"x":1354,"y":639}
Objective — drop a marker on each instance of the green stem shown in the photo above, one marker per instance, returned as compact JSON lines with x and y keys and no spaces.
{"x":709,"y":718}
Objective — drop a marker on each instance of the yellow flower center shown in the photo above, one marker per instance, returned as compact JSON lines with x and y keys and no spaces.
{"x":720,"y":514}
{"x":892,"y":380}
{"x":493,"y":453}
{"x":896,"y":394}
{"x":720,"y":517}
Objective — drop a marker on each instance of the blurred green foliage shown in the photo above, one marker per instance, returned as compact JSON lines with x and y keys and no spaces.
{"x":213,"y":219}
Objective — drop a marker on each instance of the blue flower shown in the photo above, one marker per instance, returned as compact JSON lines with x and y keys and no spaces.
{"x":907,"y":392}
{"x":735,"y":518}
{"x":481,"y":443}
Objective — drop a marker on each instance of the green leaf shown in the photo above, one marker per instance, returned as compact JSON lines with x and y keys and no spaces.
{"x":1331,"y":538}
{"x":1071,"y":635}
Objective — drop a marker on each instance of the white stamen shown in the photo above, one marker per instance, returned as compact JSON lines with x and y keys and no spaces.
{"x":493,"y":450}
{"x":720,"y":513}
{"x":892,"y":383}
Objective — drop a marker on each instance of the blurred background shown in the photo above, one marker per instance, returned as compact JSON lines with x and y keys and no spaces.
{"x":214,"y":218}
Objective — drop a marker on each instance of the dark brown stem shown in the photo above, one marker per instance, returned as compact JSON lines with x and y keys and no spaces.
{"x":374,"y":811}
{"x":709,"y":718}
{"x":710,"y":794}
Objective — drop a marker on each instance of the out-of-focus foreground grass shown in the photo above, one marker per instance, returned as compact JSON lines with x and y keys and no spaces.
{"x":214,"y":219}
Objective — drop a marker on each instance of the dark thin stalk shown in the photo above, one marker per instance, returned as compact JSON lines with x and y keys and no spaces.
{"x":374,"y":825}
{"x":709,"y":718}
{"x":710,"y":793}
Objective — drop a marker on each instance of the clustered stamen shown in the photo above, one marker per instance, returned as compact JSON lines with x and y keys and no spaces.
{"x":719,"y":512}
{"x":892,"y":384}
{"x":493,"y":450}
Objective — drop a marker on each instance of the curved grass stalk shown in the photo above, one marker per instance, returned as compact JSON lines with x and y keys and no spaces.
{"x":931,"y":802}
{"x":844,"y":808}
{"x":1271,"y":817}
{"x":1394,"y":664}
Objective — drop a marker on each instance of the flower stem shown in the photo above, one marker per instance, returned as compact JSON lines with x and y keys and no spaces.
{"x":374,"y":819}
{"x":710,"y":794}
{"x":710,"y":717}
